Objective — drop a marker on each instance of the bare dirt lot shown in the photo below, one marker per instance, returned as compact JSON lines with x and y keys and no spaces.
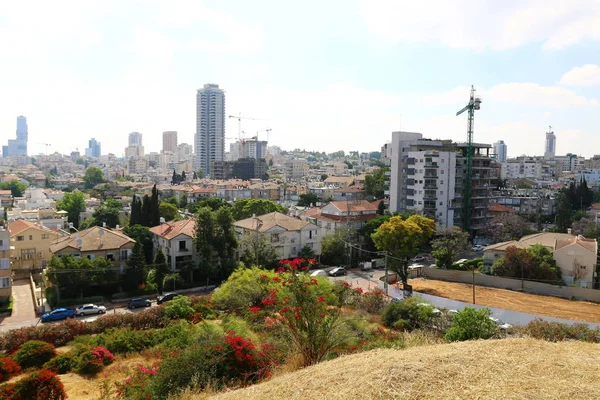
{"x":510,"y":300}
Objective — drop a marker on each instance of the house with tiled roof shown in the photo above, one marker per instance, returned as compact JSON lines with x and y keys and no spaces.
{"x":96,"y":242}
{"x":500,"y":209}
{"x":30,"y":245}
{"x":176,"y":240}
{"x":341,"y":214}
{"x":576,"y":256}
{"x":288,"y":235}
{"x":339,"y":181}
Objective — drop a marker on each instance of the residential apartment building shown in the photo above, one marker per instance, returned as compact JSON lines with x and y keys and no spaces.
{"x":30,"y":244}
{"x":96,"y":242}
{"x":176,"y":240}
{"x":522,"y":168}
{"x":550,"y":146}
{"x":295,"y":169}
{"x":287,"y":235}
{"x":340,"y":215}
{"x":500,"y":151}
{"x":169,"y":141}
{"x":210,"y":127}
{"x":5,"y":265}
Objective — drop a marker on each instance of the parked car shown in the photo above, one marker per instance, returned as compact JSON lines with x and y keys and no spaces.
{"x":418,"y":259}
{"x":87,"y":309}
{"x":318,"y":272}
{"x":58,"y":315}
{"x":477,"y":247}
{"x":366,"y":266}
{"x":138,"y":302}
{"x":434,"y":311}
{"x":338,"y":271}
{"x":166,"y":297}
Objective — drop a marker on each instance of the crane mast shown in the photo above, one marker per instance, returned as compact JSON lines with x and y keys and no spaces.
{"x":474,"y":104}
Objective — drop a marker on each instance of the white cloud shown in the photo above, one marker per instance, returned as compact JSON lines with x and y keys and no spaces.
{"x":484,"y":24}
{"x":586,"y":75}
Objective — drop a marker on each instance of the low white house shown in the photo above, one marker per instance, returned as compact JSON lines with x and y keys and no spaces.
{"x":176,"y":240}
{"x":288,"y":235}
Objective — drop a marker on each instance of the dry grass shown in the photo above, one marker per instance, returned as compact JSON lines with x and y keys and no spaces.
{"x":493,"y":369}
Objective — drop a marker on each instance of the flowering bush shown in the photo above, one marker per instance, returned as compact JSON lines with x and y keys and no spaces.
{"x":8,"y":368}
{"x":372,"y":301}
{"x":88,"y":364}
{"x":136,"y":387}
{"x":34,"y":353}
{"x":556,"y":331}
{"x":103,"y":355}
{"x":61,"y":364}
{"x":39,"y":385}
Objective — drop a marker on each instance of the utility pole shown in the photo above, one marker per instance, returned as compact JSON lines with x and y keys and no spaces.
{"x":473,"y":283}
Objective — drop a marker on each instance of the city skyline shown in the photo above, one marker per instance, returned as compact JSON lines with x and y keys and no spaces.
{"x":360,"y":72}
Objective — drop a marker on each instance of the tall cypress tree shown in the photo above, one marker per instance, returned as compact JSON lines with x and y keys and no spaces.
{"x":145,"y":219}
{"x":153,"y":211}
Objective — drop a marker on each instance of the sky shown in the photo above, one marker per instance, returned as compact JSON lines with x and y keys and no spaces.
{"x":322,"y":75}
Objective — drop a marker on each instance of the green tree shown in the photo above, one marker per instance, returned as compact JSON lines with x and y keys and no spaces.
{"x":403,"y":239}
{"x":214,"y":203}
{"x":381,"y":208}
{"x":370,"y":227}
{"x":469,"y":324}
{"x":16,"y":187}
{"x":447,"y":244}
{"x":135,"y":273}
{"x":246,"y":208}
{"x":375,"y":183}
{"x":73,"y":203}
{"x":534,"y":263}
{"x":333,"y":248}
{"x":183,"y":201}
{"x":307,"y":253}
{"x":141,"y":234}
{"x":168,"y":211}
{"x":226,"y":243}
{"x":105,"y":214}
{"x":136,"y":217}
{"x":564,"y":212}
{"x":159,"y":270}
{"x":308,"y":199}
{"x":505,"y":227}
{"x":92,"y":176}
{"x":258,"y":252}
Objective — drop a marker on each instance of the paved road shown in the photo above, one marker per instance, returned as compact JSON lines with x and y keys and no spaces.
{"x":23,"y":309}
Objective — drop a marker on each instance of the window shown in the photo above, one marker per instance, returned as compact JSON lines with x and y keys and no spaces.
{"x":443,"y":159}
{"x":275,"y":238}
{"x":20,"y":238}
{"x":27,"y":254}
{"x":420,"y":202}
{"x":91,"y":257}
{"x":45,"y":236}
{"x":441,"y":182}
{"x":4,"y":263}
{"x":182,"y":245}
{"x":441,"y":192}
{"x":30,"y":237}
{"x":110,"y":257}
{"x":124,"y":254}
{"x":442,"y":172}
{"x":441,"y":203}
{"x":40,"y":254}
{"x":420,"y":171}
{"x":4,"y":282}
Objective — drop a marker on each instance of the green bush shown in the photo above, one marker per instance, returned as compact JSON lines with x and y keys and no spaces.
{"x":557,"y":331}
{"x":34,"y":354}
{"x":80,"y":301}
{"x":179,"y":308}
{"x":61,"y":364}
{"x":125,"y":340}
{"x":245,"y":287}
{"x":471,"y":323}
{"x":6,"y":306}
{"x":39,"y":385}
{"x":407,"y":314}
{"x":87,"y":363}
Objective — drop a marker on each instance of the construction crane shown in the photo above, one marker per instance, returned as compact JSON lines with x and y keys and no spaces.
{"x":47,"y":145}
{"x":240,"y":118}
{"x":474,"y":104}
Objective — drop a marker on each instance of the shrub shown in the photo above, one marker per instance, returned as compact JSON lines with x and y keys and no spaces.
{"x":203,"y":308}
{"x":136,"y":387}
{"x":124,"y":340}
{"x":471,"y":323}
{"x":61,"y":364}
{"x":557,"y":331}
{"x":87,"y":364}
{"x":34,"y":353}
{"x":372,"y":302}
{"x":8,"y":368}
{"x":39,"y":385}
{"x":407,"y":314}
{"x":7,"y":391}
{"x":245,"y":287}
{"x":7,"y":306}
{"x":179,"y":308}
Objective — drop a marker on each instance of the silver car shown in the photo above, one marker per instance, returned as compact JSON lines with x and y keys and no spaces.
{"x":88,"y":309}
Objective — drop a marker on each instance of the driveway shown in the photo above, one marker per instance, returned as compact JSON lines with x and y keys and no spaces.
{"x":23,"y":309}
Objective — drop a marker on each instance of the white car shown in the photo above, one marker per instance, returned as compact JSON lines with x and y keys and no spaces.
{"x":477,"y":247}
{"x":434,"y":311}
{"x":500,"y":324}
{"x":318,"y":272}
{"x":88,"y":309}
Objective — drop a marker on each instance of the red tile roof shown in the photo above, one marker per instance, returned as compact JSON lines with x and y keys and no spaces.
{"x":170,"y":230}
{"x":501,"y":209}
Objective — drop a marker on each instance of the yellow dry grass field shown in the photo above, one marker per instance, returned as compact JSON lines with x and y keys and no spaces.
{"x":492,"y":369}
{"x":511,"y":300}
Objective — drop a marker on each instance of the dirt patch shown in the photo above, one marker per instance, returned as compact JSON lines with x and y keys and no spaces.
{"x":511,"y":300}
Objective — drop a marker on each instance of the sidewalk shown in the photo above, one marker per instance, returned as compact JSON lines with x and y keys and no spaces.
{"x":23,"y":310}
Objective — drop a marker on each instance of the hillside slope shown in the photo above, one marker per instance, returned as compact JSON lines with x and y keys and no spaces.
{"x":493,"y":369}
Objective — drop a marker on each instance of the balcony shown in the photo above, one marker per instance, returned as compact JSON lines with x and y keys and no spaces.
{"x":431,"y":175}
{"x":429,"y":206}
{"x":431,"y":165}
{"x":429,"y":196}
{"x":430,"y":185}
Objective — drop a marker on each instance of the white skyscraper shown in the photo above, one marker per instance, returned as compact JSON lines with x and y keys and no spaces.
{"x":550,"y":150}
{"x":209,"y":141}
{"x":500,"y":150}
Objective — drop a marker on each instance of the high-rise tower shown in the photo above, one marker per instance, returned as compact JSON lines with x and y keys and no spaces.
{"x":169,"y":141}
{"x":17,"y":147}
{"x":500,"y":150}
{"x":550,"y":150}
{"x":209,"y":141}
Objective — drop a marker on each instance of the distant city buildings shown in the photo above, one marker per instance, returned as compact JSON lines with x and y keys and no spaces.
{"x":169,"y":141}
{"x":209,"y":141}
{"x":185,"y":152}
{"x":550,"y":148}
{"x":94,"y":149}
{"x":248,"y":148}
{"x":500,"y":150}
{"x":135,"y":147}
{"x":17,"y":147}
